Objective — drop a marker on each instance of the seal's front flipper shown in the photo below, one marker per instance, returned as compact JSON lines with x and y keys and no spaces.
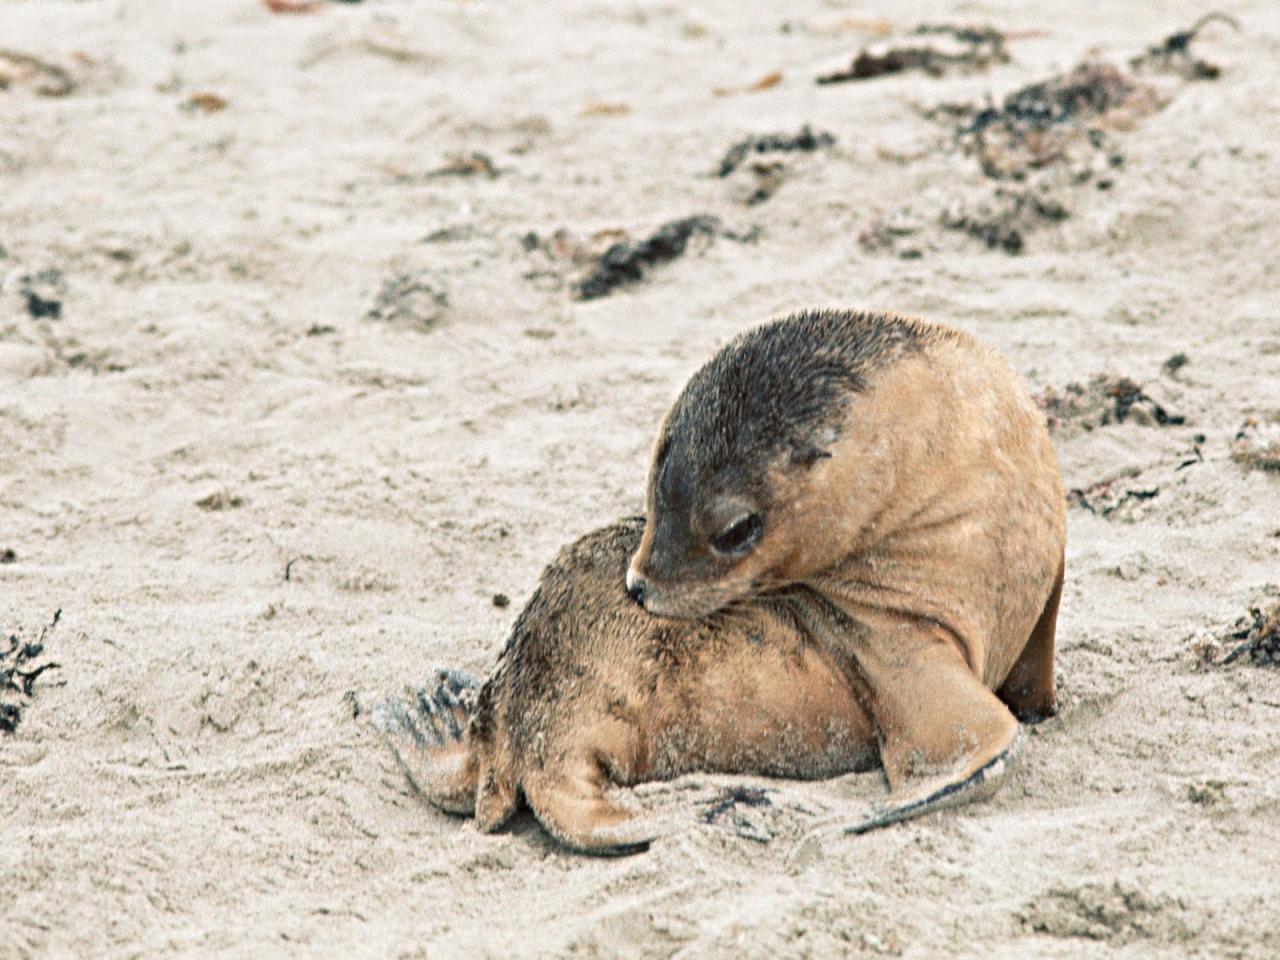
{"x":573,"y":806}
{"x":944,"y":737}
{"x":978,"y":785}
{"x":428,"y":733}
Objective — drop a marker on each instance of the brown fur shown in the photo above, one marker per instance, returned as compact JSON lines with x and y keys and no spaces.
{"x":909,"y":563}
{"x":908,"y":478}
{"x":592,"y":692}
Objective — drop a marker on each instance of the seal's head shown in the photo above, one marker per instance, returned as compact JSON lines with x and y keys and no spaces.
{"x":743,"y":469}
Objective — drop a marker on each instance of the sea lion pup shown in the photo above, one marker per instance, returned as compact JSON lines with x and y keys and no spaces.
{"x":591,"y":691}
{"x":900,"y":470}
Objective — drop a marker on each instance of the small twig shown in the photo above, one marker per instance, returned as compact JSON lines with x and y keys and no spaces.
{"x":57,"y":615}
{"x":1182,"y":39}
{"x":288,"y":567}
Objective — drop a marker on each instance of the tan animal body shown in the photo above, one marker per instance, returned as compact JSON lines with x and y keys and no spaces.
{"x":591,"y":693}
{"x":854,"y":545}
{"x":901,"y":471}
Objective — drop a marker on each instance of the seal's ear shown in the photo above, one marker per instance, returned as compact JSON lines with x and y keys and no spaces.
{"x":808,"y":455}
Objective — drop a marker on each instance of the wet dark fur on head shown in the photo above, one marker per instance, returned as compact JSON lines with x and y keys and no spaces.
{"x":776,"y":386}
{"x":773,"y":401}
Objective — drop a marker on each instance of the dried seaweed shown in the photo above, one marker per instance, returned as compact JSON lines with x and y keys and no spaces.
{"x":1065,"y":120}
{"x":43,"y":292}
{"x":472,"y":164}
{"x":1257,"y":445}
{"x":1173,"y":54}
{"x":728,"y":808}
{"x":1258,"y":637}
{"x":1106,"y":497}
{"x":627,"y":262}
{"x":21,"y":665}
{"x":414,"y":300}
{"x":931,"y":49}
{"x":1047,"y":137}
{"x":805,"y":141}
{"x":204,"y":103}
{"x":1104,"y":400}
{"x":1003,"y":221}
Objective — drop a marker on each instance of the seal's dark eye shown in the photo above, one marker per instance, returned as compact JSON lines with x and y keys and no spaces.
{"x":738,"y":537}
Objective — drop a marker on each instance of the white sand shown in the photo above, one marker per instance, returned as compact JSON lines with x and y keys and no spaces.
{"x":190,"y":781}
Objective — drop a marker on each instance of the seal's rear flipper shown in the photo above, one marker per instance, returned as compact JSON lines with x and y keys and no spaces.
{"x":1028,"y":690}
{"x":944,"y":737}
{"x":573,"y":807}
{"x":428,"y":734}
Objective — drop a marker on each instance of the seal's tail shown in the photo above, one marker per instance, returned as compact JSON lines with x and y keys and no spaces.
{"x":429,"y":733}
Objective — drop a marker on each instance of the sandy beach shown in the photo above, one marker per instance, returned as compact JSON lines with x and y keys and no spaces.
{"x":304,"y":378}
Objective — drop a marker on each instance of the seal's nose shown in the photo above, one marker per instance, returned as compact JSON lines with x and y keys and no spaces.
{"x":636,"y":587}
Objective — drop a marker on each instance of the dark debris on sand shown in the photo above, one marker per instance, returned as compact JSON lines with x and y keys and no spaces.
{"x":1049,"y":138}
{"x":1003,"y":221}
{"x":45,"y":78}
{"x":43,"y":293}
{"x":1257,"y":636}
{"x":1044,"y":123}
{"x":414,"y":300}
{"x":220,"y":500}
{"x":1173,"y":54}
{"x":472,"y":164}
{"x":628,"y":261}
{"x":1065,"y":120}
{"x":736,"y":808}
{"x":1104,"y":400}
{"x":768,"y":173}
{"x":1109,"y":497}
{"x":1257,"y":445}
{"x":768,"y":178}
{"x":21,"y":664}
{"x":931,"y":49}
{"x":1040,"y":142}
{"x":806,"y":140}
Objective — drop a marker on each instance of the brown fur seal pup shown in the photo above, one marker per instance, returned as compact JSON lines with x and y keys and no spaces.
{"x":901,"y":471}
{"x":591,"y":692}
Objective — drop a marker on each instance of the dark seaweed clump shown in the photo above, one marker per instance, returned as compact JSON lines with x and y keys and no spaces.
{"x":1259,"y":636}
{"x":738,"y":809}
{"x":935,"y":49}
{"x":627,"y":261}
{"x":21,"y":664}
{"x":1104,"y":400}
{"x":806,"y":141}
{"x":1063,"y":119}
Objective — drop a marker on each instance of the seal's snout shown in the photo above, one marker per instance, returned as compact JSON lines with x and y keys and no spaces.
{"x":637,"y":587}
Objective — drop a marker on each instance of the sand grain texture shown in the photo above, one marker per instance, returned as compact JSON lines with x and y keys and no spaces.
{"x":306,"y":404}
